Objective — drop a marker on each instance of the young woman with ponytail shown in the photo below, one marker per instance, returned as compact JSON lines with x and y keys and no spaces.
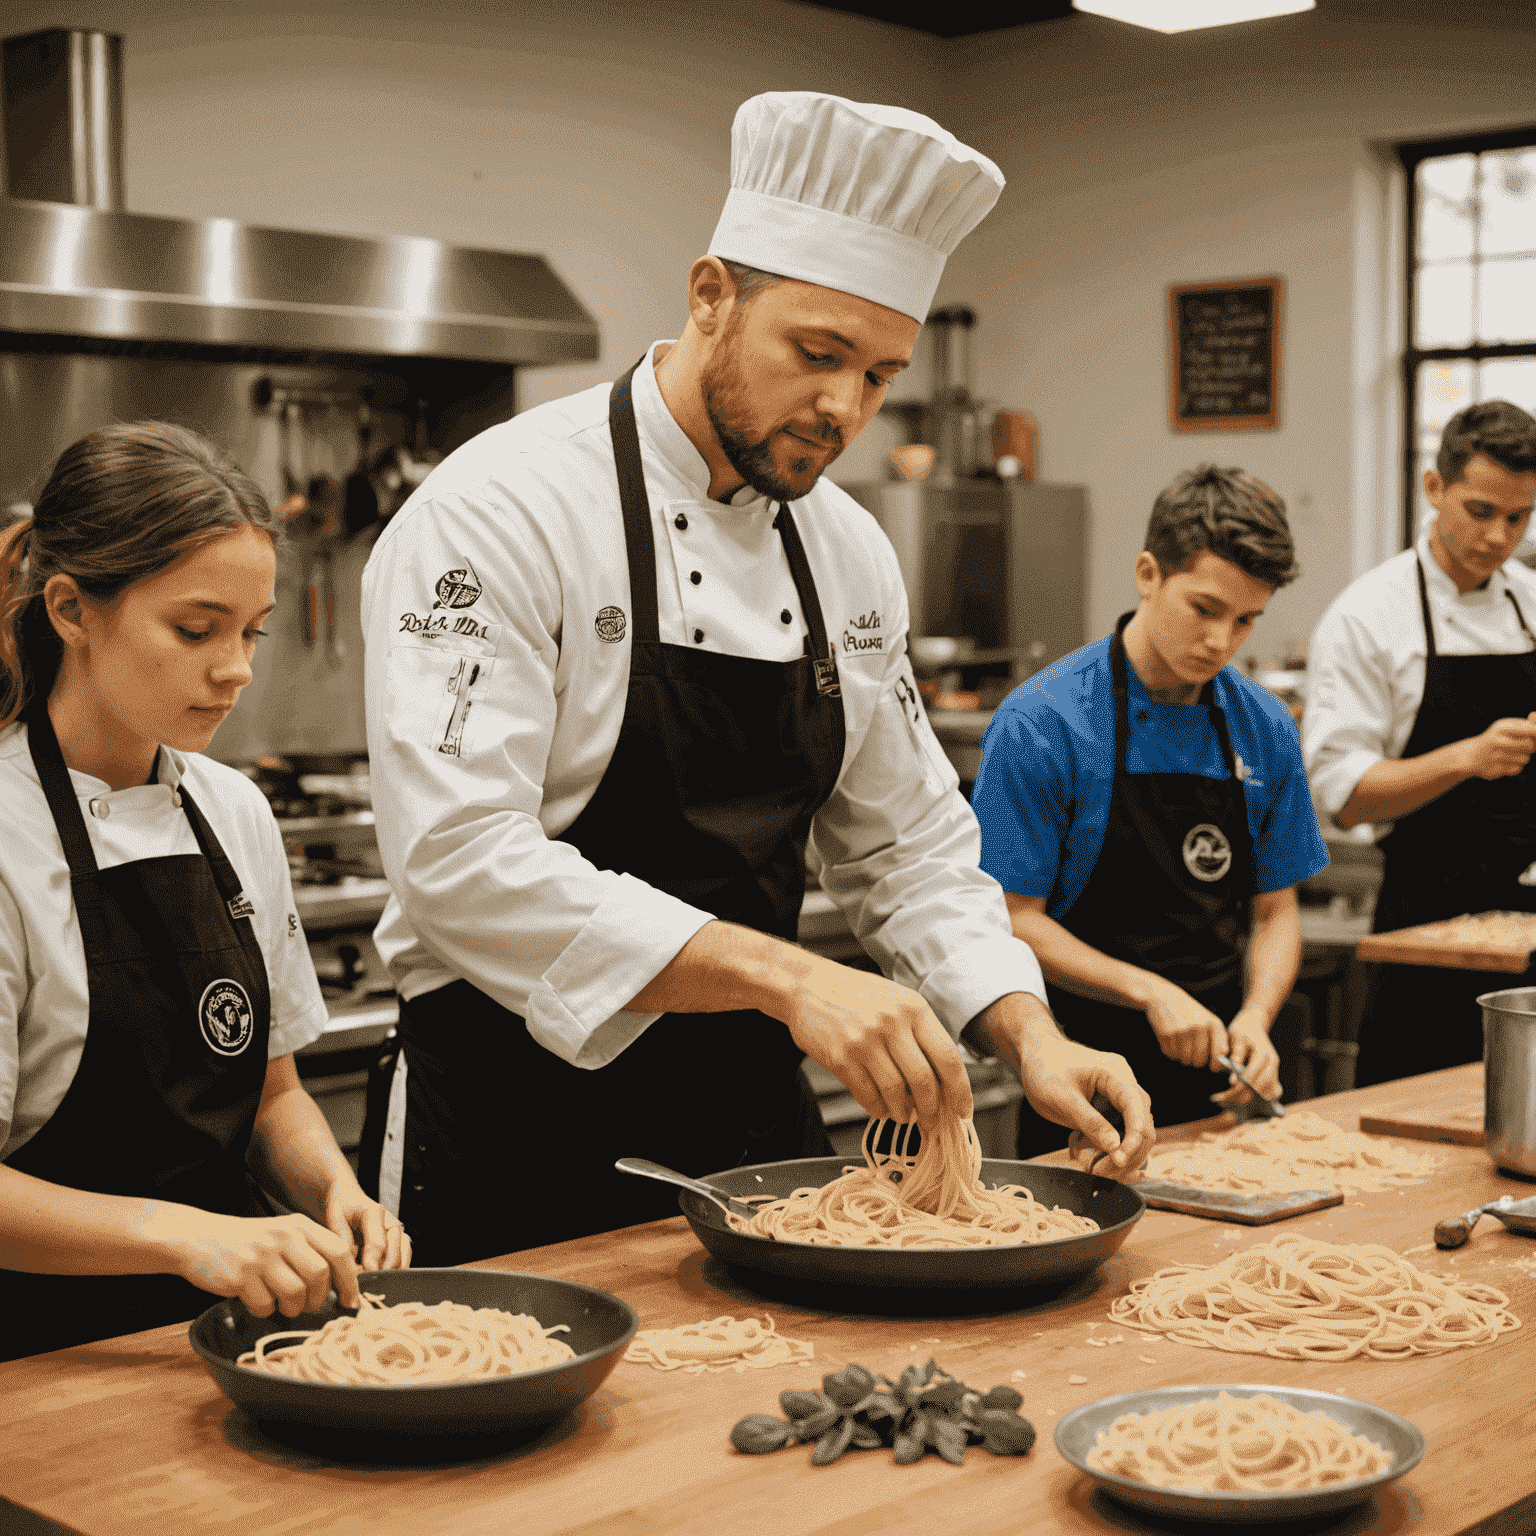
{"x":154,"y":980}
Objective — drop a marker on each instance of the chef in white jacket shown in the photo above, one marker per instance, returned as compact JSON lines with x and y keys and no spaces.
{"x":629,"y":659}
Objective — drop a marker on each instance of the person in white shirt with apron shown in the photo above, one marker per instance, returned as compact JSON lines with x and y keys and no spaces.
{"x":1144,"y":805}
{"x":629,"y":659}
{"x":1421,"y":720}
{"x":154,"y":981}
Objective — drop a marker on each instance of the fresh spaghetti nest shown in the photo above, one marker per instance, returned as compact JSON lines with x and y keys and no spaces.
{"x":1238,"y":1444}
{"x":1298,"y":1298}
{"x":933,"y":1199}
{"x":412,"y":1344}
{"x":1302,"y":1151}
{"x":723,"y":1344}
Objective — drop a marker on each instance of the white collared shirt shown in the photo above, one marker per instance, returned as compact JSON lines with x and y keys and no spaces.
{"x":496,"y":611}
{"x":1365,"y":662}
{"x":44,"y":992}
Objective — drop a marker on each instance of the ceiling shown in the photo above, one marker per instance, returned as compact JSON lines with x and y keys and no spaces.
{"x":955,"y":19}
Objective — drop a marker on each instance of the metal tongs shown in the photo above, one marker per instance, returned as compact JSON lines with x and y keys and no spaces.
{"x":1257,"y":1108}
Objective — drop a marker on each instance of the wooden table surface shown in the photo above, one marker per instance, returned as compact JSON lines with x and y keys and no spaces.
{"x":133,"y":1436}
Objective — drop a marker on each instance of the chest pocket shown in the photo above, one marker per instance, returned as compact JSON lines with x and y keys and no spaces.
{"x":932,"y":763}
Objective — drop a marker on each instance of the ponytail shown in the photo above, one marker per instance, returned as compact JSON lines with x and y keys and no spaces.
{"x":16,"y":596}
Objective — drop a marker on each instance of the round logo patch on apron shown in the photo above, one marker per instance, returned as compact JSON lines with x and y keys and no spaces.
{"x":226,"y":1017}
{"x":1207,"y":852}
{"x":609,"y":625}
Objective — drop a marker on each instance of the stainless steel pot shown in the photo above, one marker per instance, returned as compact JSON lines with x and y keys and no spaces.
{"x":1509,"y":1078}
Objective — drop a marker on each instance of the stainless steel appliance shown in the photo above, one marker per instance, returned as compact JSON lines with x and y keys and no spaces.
{"x":1509,"y":1079}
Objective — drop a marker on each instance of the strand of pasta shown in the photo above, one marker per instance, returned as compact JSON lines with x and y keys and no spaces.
{"x":722,"y":1344}
{"x":1299,"y":1298}
{"x":1233,"y":1444}
{"x":412,"y":1343}
{"x":1302,"y":1151}
{"x":933,"y":1199}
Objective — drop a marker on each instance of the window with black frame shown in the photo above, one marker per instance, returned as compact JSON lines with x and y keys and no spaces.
{"x":1471,"y":322}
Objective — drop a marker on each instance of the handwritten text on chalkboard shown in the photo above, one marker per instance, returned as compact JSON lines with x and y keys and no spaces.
{"x":1226,"y":353}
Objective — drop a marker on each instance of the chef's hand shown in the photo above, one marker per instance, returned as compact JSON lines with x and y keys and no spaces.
{"x":1060,"y":1077}
{"x":881,"y":1041}
{"x":282,"y":1263}
{"x":1186,"y":1030}
{"x":373,"y":1233}
{"x":1252,"y":1051}
{"x":1502,"y":750}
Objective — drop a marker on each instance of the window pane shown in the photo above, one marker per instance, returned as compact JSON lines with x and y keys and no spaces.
{"x":1509,"y":378}
{"x":1509,"y":201}
{"x":1443,"y":297}
{"x":1507,"y":300}
{"x":1446,"y":206}
{"x":1444,"y":389}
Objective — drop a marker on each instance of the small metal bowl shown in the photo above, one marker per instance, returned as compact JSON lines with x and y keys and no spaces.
{"x":601,"y":1326}
{"x":1077,"y":1434}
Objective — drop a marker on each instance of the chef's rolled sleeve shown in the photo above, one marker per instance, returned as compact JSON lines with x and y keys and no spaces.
{"x":897,"y":848}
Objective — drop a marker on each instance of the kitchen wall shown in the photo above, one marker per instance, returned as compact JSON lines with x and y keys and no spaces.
{"x":1136,"y":160}
{"x":598,"y":134}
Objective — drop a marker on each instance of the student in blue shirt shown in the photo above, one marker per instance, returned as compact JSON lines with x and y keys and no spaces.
{"x":1145,"y":809}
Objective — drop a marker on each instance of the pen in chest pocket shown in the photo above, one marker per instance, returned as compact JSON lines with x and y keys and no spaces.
{"x":460,"y":685}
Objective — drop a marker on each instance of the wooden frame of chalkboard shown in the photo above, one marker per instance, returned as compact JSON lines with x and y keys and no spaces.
{"x":1224,"y":355}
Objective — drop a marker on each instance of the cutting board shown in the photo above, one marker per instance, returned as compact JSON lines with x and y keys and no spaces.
{"x":1444,"y":1111}
{"x":1228,"y":1205}
{"x":1483,"y":941}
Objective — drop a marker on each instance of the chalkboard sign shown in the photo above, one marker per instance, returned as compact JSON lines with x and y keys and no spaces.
{"x":1224,"y":371}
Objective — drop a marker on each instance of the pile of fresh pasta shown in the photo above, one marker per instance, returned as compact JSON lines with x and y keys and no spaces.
{"x":933,"y":1199}
{"x":411,"y":1343}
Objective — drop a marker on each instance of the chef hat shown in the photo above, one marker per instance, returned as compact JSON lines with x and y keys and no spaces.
{"x":866,"y":199}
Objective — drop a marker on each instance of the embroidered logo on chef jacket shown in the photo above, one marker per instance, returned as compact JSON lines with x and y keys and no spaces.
{"x":226,"y":1017}
{"x":458,"y":588}
{"x":861,"y":634}
{"x":609,"y":625}
{"x":1207,"y":852}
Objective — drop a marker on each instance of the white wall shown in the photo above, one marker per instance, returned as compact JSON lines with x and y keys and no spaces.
{"x":1136,"y":161}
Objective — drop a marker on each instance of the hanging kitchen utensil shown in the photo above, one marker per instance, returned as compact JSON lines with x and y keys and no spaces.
{"x":360,"y":497}
{"x":293,"y":501}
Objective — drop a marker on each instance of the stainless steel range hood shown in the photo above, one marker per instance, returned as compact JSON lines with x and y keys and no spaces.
{"x":74,"y":263}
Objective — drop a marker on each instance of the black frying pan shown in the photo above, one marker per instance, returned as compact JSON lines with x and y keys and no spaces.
{"x":1116,"y":1208}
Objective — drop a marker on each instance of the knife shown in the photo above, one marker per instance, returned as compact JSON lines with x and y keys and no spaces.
{"x":1271,"y":1109}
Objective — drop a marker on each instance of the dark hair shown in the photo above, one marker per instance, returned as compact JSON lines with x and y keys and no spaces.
{"x":1495,"y":428}
{"x":1228,"y":513}
{"x":120,"y":505}
{"x":750,"y":281}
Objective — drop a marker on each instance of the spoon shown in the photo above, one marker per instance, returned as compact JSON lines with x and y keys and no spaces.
{"x":647,"y":1169}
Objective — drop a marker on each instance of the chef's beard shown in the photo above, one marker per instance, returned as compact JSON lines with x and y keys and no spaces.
{"x":727,"y":400}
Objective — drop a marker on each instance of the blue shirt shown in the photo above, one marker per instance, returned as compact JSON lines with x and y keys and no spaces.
{"x":1047,"y":770}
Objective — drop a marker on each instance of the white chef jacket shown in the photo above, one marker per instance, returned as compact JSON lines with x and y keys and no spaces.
{"x":1365,"y":662}
{"x":496,"y":616}
{"x":44,"y":992}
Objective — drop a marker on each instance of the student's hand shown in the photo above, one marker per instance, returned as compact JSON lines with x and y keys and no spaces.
{"x":1502,"y":750}
{"x":1186,"y":1030}
{"x":281,"y":1263}
{"x":1252,"y":1051}
{"x":375,"y":1234}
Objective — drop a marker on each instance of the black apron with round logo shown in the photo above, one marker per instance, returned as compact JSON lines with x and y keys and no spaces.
{"x":1170,"y":892}
{"x":165,"y":1095}
{"x":720,"y":764}
{"x":1462,"y":852}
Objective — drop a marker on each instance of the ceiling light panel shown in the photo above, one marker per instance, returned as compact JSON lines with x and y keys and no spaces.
{"x":1187,"y":15}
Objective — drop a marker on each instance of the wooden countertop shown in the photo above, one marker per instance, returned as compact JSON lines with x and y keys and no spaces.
{"x":133,"y":1436}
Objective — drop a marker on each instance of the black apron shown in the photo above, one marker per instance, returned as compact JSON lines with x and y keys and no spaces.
{"x":1170,"y":892}
{"x":1463,"y":852}
{"x":165,"y":1096}
{"x":721,"y":763}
